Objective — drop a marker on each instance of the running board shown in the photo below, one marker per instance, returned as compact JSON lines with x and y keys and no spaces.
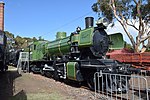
{"x":48,"y":68}
{"x":58,"y":64}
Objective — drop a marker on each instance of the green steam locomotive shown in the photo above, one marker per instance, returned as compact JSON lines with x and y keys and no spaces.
{"x":78,"y":56}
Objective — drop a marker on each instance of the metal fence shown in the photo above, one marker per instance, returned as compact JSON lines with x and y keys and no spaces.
{"x":121,"y":87}
{"x":23,"y":62}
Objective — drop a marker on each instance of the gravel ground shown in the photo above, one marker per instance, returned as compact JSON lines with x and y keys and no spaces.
{"x":28,"y":86}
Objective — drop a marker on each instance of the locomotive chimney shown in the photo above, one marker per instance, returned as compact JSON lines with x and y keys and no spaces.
{"x":89,"y":22}
{"x":2,"y":15}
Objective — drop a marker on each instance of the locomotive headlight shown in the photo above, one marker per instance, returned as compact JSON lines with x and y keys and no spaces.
{"x":103,"y":21}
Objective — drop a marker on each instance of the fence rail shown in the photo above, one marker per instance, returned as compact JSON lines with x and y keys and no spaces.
{"x":23,"y":62}
{"x":121,"y":87}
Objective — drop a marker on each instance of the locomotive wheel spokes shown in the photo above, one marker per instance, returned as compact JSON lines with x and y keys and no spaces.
{"x":42,"y":72}
{"x":123,"y":85}
{"x":90,"y":81}
{"x":93,"y":81}
{"x":117,"y":84}
{"x":56,"y":76}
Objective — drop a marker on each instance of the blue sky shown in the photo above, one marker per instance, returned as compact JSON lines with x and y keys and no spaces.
{"x":34,"y":18}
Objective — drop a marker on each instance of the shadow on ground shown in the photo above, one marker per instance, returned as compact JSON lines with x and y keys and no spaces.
{"x":7,"y":86}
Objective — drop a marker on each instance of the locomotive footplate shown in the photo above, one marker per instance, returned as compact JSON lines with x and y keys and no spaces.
{"x":106,"y":65}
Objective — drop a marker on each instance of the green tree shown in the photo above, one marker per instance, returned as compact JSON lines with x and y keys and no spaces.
{"x":128,"y":13}
{"x":34,"y":39}
{"x":40,"y":38}
{"x":19,"y":41}
{"x":10,"y":35}
{"x":10,"y":38}
{"x":128,"y":46}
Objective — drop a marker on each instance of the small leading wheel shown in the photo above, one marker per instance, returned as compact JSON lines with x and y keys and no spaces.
{"x":117,"y":84}
{"x":56,"y":76}
{"x":123,"y":85}
{"x":93,"y":82}
{"x":42,"y":72}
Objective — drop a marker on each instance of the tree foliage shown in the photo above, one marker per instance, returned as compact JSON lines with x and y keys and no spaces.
{"x":40,"y":38}
{"x":34,"y":39}
{"x":8,"y":34}
{"x":128,"y":13}
{"x":18,"y":41}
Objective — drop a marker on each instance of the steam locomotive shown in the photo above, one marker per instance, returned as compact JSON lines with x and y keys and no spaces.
{"x":78,"y":56}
